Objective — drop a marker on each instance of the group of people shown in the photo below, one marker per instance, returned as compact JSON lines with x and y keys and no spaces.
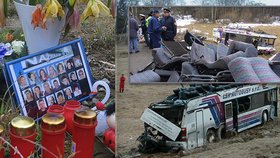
{"x":154,"y":29}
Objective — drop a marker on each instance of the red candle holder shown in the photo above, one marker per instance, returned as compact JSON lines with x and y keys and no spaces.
{"x":53,"y":129}
{"x":84,"y":125}
{"x":69,"y":108}
{"x":22,"y":136}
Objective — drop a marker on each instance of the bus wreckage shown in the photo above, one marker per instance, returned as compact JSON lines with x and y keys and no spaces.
{"x":201,"y":114}
{"x":194,"y":61}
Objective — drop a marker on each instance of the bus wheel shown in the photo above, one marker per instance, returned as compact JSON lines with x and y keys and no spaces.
{"x":210,"y":136}
{"x":221,"y":132}
{"x":264,"y":117}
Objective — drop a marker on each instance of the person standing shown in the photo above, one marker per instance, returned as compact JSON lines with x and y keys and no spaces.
{"x":147,"y":24}
{"x":155,"y":29}
{"x":122,"y":81}
{"x":133,"y":29}
{"x":171,"y":28}
{"x":144,"y":28}
{"x":149,"y":18}
{"x":220,"y":30}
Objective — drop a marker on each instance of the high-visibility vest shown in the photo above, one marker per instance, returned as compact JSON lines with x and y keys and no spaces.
{"x":147,"y":20}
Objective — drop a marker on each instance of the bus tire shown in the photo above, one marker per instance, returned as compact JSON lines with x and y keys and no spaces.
{"x":211,"y":136}
{"x":221,"y":132}
{"x":264,"y":117}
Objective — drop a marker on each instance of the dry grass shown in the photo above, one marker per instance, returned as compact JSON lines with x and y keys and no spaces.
{"x":204,"y":27}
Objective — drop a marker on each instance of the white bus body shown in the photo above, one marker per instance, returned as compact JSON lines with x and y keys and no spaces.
{"x":264,"y":42}
{"x":209,"y":115}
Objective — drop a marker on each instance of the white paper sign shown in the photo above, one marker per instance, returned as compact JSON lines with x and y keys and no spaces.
{"x":161,"y":124}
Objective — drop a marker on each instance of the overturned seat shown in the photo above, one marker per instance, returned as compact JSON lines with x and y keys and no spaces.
{"x":274,"y":62}
{"x":252,"y":70}
{"x":219,"y":58}
{"x":145,"y":77}
{"x":248,"y":49}
{"x":165,"y":61}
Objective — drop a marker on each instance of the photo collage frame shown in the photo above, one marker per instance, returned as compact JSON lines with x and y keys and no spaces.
{"x":50,"y":77}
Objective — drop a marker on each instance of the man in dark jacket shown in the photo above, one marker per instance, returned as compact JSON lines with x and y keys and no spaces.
{"x":169,"y":22}
{"x":133,"y":40}
{"x":155,"y":29}
{"x":144,"y":28}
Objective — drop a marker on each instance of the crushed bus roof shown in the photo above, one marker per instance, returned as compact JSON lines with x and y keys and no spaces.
{"x":193,"y":96}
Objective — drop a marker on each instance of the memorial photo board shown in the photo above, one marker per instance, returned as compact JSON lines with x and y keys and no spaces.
{"x":50,"y":77}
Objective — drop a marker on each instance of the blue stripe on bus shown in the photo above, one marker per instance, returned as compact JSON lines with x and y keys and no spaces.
{"x":249,"y":123}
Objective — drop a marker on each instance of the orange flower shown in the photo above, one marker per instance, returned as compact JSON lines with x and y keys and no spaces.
{"x":37,"y":17}
{"x":9,"y":37}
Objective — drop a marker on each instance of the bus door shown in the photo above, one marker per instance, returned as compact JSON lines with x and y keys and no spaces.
{"x":195,"y":129}
{"x":231,"y":115}
{"x":274,"y":102}
{"x":199,"y":128}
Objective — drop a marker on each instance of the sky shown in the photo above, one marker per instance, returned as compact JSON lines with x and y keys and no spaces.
{"x":269,"y":2}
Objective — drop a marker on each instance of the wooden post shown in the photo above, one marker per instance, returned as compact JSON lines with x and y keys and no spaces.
{"x":2,"y":14}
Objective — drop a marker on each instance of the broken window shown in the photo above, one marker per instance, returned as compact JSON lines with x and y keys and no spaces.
{"x":258,"y":100}
{"x":243,"y":104}
{"x":228,"y":110}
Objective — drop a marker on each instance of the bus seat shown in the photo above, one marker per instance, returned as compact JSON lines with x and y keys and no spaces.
{"x":163,"y":60}
{"x":222,"y":50}
{"x":249,"y":49}
{"x":198,"y":52}
{"x":189,"y":69}
{"x":144,"y":77}
{"x":221,"y":63}
{"x":274,"y":62}
{"x":253,"y":70}
{"x":174,"y":77}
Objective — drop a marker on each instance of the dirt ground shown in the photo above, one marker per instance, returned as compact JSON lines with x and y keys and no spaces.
{"x":145,"y":56}
{"x":258,"y":142}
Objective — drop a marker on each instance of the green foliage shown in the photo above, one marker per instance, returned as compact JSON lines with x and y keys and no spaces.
{"x":35,"y":2}
{"x":17,"y":35}
{"x":6,"y":7}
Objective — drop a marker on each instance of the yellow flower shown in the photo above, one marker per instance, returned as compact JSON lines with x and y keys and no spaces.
{"x":104,"y":10}
{"x":52,"y":9}
{"x":95,"y":8}
{"x":87,"y":12}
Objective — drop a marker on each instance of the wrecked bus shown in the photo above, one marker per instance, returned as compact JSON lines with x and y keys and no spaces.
{"x":263,"y":42}
{"x":195,"y":116}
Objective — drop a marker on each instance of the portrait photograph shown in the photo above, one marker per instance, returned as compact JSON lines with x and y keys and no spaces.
{"x":22,"y":81}
{"x":73,"y":76}
{"x":68,"y":93}
{"x":81,"y":74}
{"x":43,"y":74}
{"x":38,"y":92}
{"x":56,"y":84}
{"x":41,"y":104}
{"x":33,"y":79}
{"x":47,"y":88}
{"x":64,"y":81}
{"x":69,"y":64}
{"x":76,"y":89}
{"x":52,"y":72}
{"x":28,"y":95}
{"x":60,"y":97}
{"x":77,"y":61}
{"x":51,"y":100}
{"x":60,"y":68}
